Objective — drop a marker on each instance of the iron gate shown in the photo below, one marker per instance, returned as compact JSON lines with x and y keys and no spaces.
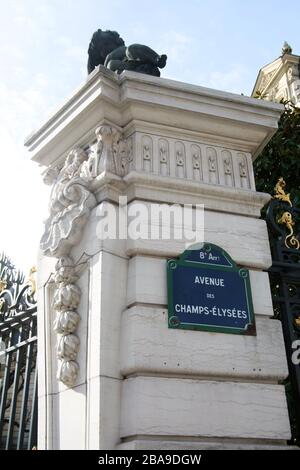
{"x":18,"y":373}
{"x":283,"y":223}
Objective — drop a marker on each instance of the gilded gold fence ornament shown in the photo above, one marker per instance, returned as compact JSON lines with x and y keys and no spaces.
{"x":3,"y":285}
{"x":31,"y":280}
{"x":290,"y":240}
{"x":280,"y":191}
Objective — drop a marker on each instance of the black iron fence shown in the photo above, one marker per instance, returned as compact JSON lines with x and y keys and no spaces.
{"x":18,"y":374}
{"x":283,"y":225}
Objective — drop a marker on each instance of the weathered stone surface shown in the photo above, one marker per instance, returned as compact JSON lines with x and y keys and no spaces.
{"x":149,"y":347}
{"x":203,"y":444}
{"x":157,"y":406}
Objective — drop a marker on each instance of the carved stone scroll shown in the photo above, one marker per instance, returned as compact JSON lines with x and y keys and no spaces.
{"x":71,"y":201}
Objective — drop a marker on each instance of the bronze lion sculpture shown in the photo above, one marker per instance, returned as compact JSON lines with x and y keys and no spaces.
{"x":108,"y":48}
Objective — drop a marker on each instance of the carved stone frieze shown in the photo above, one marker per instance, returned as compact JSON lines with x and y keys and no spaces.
{"x":244,"y":178}
{"x":212,"y":165}
{"x":228,"y":168}
{"x":164,"y":158}
{"x":171,"y":157}
{"x":147,"y":149}
{"x":180,"y":160}
{"x":197,"y":162}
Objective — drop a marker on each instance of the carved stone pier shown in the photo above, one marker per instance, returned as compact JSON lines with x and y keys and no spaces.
{"x":111,"y":373}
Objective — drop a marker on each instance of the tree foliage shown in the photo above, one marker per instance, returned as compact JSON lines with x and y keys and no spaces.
{"x":281,"y":156}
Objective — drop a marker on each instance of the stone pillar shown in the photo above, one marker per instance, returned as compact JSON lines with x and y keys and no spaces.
{"x":133,"y":383}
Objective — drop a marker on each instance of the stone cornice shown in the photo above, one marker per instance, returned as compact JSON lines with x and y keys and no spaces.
{"x":246,"y":123}
{"x":214,"y":197}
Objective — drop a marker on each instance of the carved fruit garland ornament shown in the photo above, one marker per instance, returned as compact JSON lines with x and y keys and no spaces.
{"x":71,"y":201}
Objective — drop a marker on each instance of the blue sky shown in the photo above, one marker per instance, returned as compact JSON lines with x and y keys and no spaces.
{"x":43,"y":43}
